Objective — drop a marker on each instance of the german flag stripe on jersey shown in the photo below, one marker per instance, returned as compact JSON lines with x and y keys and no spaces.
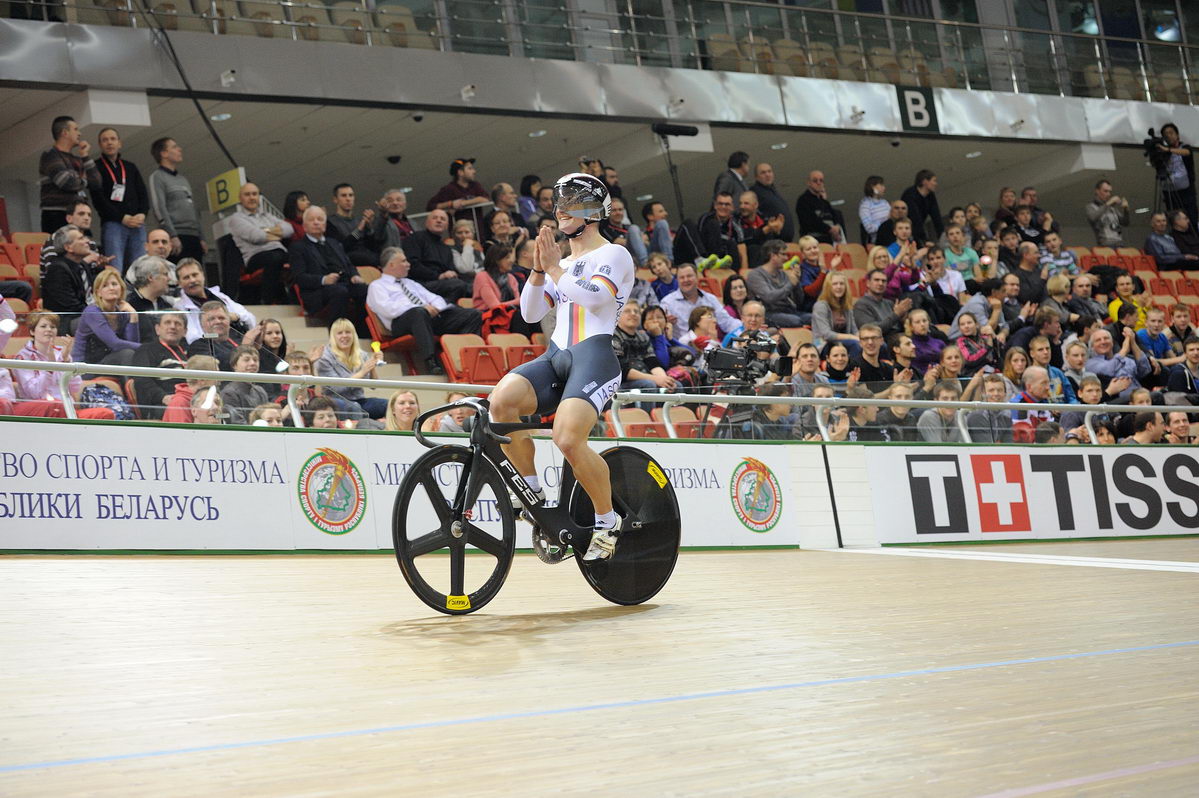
{"x":605,"y":282}
{"x":549,"y":299}
{"x":577,"y":316}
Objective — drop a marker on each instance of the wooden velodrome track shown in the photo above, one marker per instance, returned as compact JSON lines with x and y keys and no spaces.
{"x":753,"y":673}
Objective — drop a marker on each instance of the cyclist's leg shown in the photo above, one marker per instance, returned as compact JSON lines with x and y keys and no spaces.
{"x":512,"y":398}
{"x":573,"y":423}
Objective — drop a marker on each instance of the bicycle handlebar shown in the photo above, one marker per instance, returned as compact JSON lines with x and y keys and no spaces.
{"x":480,"y":407}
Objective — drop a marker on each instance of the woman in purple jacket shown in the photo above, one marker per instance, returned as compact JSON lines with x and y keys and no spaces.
{"x":107,"y":331}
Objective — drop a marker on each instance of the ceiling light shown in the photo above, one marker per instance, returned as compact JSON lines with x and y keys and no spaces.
{"x":221,"y":117}
{"x":536,"y":134}
{"x":644,"y":197}
{"x":974,"y":154}
{"x":407,"y":189}
{"x":1141,"y":210}
{"x":782,"y":145}
{"x":836,"y":202}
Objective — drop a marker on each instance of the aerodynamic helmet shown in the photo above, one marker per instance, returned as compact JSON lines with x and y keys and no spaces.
{"x":582,"y":196}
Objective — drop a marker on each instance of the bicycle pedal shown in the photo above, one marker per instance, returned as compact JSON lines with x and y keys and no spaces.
{"x":549,"y":550}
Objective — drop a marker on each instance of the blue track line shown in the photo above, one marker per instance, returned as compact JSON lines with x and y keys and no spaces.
{"x":542,"y":713}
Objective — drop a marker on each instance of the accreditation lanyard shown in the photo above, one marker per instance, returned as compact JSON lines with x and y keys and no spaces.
{"x":118,"y":186}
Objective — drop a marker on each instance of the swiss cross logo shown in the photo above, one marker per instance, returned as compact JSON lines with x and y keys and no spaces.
{"x":1002,"y":498}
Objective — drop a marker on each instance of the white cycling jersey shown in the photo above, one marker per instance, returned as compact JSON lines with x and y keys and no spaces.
{"x":593,"y":290}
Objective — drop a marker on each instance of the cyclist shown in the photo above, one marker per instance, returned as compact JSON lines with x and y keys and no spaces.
{"x":579,"y":372}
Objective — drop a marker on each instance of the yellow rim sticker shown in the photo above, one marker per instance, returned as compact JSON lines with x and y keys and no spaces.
{"x":656,"y":473}
{"x":457,"y":602}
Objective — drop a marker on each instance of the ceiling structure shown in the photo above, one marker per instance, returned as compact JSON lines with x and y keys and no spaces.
{"x":287,"y":146}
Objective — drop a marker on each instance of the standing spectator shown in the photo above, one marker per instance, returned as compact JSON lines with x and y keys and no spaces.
{"x":921,"y":199}
{"x":1161,"y":245}
{"x":353,"y":233}
{"x":496,"y":294}
{"x":148,"y":295}
{"x":776,"y":288}
{"x":405,"y":307}
{"x":294,"y":205}
{"x":108,"y":332}
{"x":770,"y":201}
{"x":391,"y":228}
{"x":463,"y":194}
{"x":65,"y":286}
{"x":885,"y":236}
{"x":940,"y":425}
{"x":329,"y":284}
{"x":755,"y":228}
{"x":732,"y":180}
{"x":832,"y":315}
{"x":194,"y":294}
{"x":873,"y":210}
{"x":432,"y":259}
{"x":166,"y":349}
{"x":66,"y":173}
{"x":814,"y":214}
{"x":874,"y":307}
{"x":611,"y":178}
{"x":1180,"y":171}
{"x":719,"y":233}
{"x":122,"y":202}
{"x":991,"y":426}
{"x":1108,"y":215}
{"x":240,"y":398}
{"x":259,"y":237}
{"x":344,"y":358}
{"x":679,"y":304}
{"x":657,"y":228}
{"x":171,"y":199}
{"x":40,"y":388}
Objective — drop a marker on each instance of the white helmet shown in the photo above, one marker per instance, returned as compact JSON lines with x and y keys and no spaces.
{"x":582,"y":196}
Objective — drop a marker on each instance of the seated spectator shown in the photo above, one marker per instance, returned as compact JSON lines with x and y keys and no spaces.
{"x":219,"y":338}
{"x":957,"y":216}
{"x":874,"y":307}
{"x":903,"y":353}
{"x":80,"y":216}
{"x":1045,"y":322}
{"x":1091,"y":392}
{"x":194,"y":295}
{"x":702,"y":331}
{"x":988,"y":267}
{"x":294,"y":205}
{"x":720,"y":235}
{"x":959,"y":257}
{"x":148,"y":297}
{"x":158,"y":245}
{"x":832,"y":315}
{"x":664,"y":281}
{"x":978,"y":349}
{"x":991,"y":426}
{"x":1108,"y":363}
{"x":1057,"y":291}
{"x":773,"y":422}
{"x":1055,"y":260}
{"x":940,"y":292}
{"x":530,"y":187}
{"x":873,"y":209}
{"x":1125,"y":288}
{"x":502,"y":230}
{"x":1140,"y":397}
{"x":343,"y":358}
{"x":1028,"y":231}
{"x":885,"y":236}
{"x":1061,"y":391}
{"x":179,"y":406}
{"x":1161,"y":245}
{"x":1049,"y":432}
{"x":1186,"y":238}
{"x":165,"y":350}
{"x":108,"y":330}
{"x":618,"y":229}
{"x":433,"y":260}
{"x":640,"y":368}
{"x":1009,"y":249}
{"x":979,"y":233}
{"x":504,"y":198}
{"x":329,"y":284}
{"x":899,"y":419}
{"x":838,"y":369}
{"x":669,"y":351}
{"x":391,"y":227}
{"x":806,"y":375}
{"x":405,"y":307}
{"x":259,"y":237}
{"x":1184,"y":378}
{"x":467,"y":253}
{"x":1028,"y":270}
{"x":66,"y":279}
{"x":755,"y":228}
{"x":812,"y":272}
{"x":927,"y":339}
{"x":679,"y":304}
{"x":319,"y":413}
{"x":1015,"y":363}
{"x":496,"y":294}
{"x":1126,"y":319}
{"x":640,"y":292}
{"x":777,"y":288}
{"x":38,"y":392}
{"x":545,"y":206}
{"x":1178,"y":429}
{"x":300,"y":364}
{"x":1005,"y":214}
{"x":1154,"y":342}
{"x":402,"y":410}
{"x":462,"y":194}
{"x":1081,"y":301}
{"x":207,"y":408}
{"x":454,"y":419}
{"x":906,"y":248}
{"x":242,"y":397}
{"x":1075,"y":366}
{"x":949,"y":368}
{"x":267,"y":414}
{"x":875,"y":371}
{"x":272,"y":349}
{"x":657,"y":227}
{"x":861,"y":422}
{"x":940,"y":425}
{"x":753,"y":318}
{"x":1147,"y":429}
{"x":985,"y":307}
{"x":806,"y":427}
{"x":1180,"y":328}
{"x":353,"y":233}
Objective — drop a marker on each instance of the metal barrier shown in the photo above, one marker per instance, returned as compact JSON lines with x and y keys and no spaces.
{"x":667,"y":400}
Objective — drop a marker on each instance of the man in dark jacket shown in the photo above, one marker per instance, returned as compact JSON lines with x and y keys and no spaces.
{"x":719,"y":233}
{"x":167,"y":349}
{"x":770,"y":201}
{"x":122,"y":202}
{"x":816,"y":215}
{"x":329,"y":283}
{"x":433,"y":260}
{"x":922,"y":206}
{"x":67,"y":281}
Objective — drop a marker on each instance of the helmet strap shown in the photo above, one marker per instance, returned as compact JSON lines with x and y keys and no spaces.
{"x":579,"y":232}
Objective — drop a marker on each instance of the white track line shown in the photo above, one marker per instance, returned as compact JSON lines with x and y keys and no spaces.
{"x":1035,"y":559}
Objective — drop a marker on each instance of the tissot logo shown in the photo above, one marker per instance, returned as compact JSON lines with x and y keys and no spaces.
{"x":938,"y":500}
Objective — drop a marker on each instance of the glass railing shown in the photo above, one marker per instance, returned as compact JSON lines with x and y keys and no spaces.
{"x":757,"y":37}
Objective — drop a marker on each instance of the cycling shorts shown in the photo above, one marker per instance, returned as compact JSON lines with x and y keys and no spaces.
{"x":588,"y":370}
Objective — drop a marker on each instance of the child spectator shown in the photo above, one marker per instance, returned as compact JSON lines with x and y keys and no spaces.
{"x":267,"y":414}
{"x":179,"y":407}
{"x":241,"y":397}
{"x":664,"y":281}
{"x":320,"y":414}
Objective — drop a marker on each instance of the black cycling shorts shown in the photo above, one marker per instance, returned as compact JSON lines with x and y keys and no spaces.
{"x":588,"y":370}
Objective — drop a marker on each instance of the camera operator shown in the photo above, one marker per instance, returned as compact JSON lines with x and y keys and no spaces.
{"x":1178,"y":165}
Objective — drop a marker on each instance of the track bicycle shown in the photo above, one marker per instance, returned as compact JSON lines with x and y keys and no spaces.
{"x":457,"y":499}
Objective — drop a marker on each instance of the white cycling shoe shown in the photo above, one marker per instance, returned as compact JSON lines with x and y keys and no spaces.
{"x":603,"y":544}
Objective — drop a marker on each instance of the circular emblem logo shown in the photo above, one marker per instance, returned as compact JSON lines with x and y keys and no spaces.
{"x":332,"y":492}
{"x":757,"y":498}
